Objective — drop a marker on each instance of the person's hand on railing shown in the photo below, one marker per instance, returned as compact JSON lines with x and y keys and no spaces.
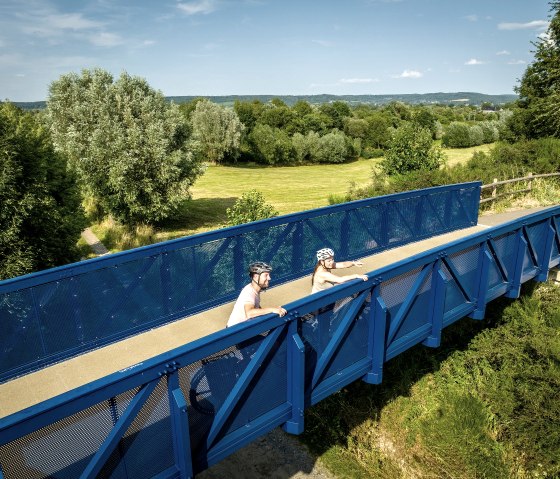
{"x":363,"y":277}
{"x":280,"y":311}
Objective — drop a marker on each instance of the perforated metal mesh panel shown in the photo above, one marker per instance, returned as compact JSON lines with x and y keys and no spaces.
{"x":58,"y":318}
{"x":207,"y":383}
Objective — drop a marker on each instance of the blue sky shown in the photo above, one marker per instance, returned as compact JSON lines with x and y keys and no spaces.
{"x":279,"y":47}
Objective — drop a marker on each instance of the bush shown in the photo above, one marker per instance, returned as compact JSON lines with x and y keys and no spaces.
{"x":272,"y":146}
{"x":476,"y":135}
{"x":250,"y":207}
{"x":490,"y":132}
{"x":332,"y":148}
{"x":456,"y":135}
{"x":411,"y":148}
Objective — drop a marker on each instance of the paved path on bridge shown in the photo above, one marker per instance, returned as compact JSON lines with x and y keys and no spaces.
{"x":59,"y":378}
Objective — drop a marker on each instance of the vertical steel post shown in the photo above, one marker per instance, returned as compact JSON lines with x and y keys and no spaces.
{"x":239,"y":272}
{"x":485,"y":259}
{"x":296,"y":379}
{"x":179,"y":427}
{"x":165,"y":277}
{"x":377,"y":338}
{"x":297,"y":248}
{"x":345,"y":235}
{"x":437,"y":305}
{"x":545,"y":263}
{"x":521,"y":251}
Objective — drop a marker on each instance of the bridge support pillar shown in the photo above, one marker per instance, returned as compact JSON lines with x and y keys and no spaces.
{"x":377,"y":337}
{"x":545,"y":263}
{"x":522,"y":245}
{"x":296,"y":380}
{"x":437,"y":306}
{"x":484,"y":267}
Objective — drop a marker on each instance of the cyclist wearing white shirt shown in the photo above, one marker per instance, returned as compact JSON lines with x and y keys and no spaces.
{"x":248,"y":304}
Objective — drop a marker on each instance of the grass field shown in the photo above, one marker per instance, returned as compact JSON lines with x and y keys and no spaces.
{"x":289,"y":189}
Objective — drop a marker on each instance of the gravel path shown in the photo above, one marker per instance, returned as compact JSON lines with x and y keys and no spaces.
{"x":93,"y":241}
{"x":277,"y":455}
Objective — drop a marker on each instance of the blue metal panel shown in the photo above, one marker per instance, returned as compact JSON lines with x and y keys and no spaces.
{"x":88,"y":304}
{"x":103,"y":453}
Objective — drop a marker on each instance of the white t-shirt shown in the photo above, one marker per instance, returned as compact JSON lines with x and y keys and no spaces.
{"x":247,"y":296}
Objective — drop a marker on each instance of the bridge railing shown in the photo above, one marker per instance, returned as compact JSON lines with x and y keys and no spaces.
{"x":55,"y":314}
{"x":185,"y":410}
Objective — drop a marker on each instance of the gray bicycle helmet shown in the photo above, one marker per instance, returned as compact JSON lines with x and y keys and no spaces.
{"x":259,"y":267}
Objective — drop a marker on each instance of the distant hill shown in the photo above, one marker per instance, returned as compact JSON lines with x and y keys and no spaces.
{"x":456,"y":98}
{"x":462,"y":98}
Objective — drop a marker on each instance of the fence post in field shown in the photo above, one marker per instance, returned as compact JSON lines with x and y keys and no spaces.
{"x":530,"y":181}
{"x":494,"y":188}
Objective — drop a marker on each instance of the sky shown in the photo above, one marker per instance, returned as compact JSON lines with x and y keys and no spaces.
{"x":272,"y":47}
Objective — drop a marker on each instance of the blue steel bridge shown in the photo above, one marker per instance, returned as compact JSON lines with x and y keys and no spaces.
{"x":120,"y":366}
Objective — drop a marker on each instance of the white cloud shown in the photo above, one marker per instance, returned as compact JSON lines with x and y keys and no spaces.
{"x":409,"y":74}
{"x":517,"y":62}
{"x":105,"y":39}
{"x":534,"y":25}
{"x":472,"y":18}
{"x":55,"y":24}
{"x":357,"y":80}
{"x":20,"y":75}
{"x":148,"y":43}
{"x":71,"y":21}
{"x":203,"y":7}
{"x":503,"y":52}
{"x":323,"y":43}
{"x":474,"y":61}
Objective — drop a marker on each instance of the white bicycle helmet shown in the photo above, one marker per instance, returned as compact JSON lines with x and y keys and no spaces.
{"x":325,"y":253}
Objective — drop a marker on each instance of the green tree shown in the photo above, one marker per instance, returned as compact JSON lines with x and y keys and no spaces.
{"x":250,"y":207}
{"x":539,"y":88}
{"x":127,"y":144}
{"x":272,"y":145}
{"x":336,"y":111}
{"x":411,"y":148}
{"x":249,"y":113}
{"x":334,"y":147}
{"x":41,"y":216}
{"x":456,"y":135}
{"x":217,"y":130}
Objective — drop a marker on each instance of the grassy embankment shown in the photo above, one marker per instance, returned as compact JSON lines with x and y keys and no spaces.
{"x":288,"y":189}
{"x":486,"y":404}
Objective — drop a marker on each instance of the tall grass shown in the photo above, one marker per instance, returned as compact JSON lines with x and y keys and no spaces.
{"x":486,"y":404}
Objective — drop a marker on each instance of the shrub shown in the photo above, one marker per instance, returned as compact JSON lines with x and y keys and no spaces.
{"x":271,"y":145}
{"x":332,"y":148}
{"x":476,"y":135}
{"x":250,"y":207}
{"x":456,"y":136}
{"x":411,"y":148}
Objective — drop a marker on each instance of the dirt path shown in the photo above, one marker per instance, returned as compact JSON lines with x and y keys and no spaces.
{"x":93,"y":241}
{"x":276,"y":455}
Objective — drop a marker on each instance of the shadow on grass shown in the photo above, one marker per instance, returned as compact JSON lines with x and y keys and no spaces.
{"x":198,"y":214}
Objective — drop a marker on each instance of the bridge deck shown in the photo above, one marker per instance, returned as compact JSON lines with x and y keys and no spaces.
{"x":34,"y":388}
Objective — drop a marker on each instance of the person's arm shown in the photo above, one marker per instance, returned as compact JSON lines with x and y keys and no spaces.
{"x":333,"y":278}
{"x":252,"y":312}
{"x":347,"y":264}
